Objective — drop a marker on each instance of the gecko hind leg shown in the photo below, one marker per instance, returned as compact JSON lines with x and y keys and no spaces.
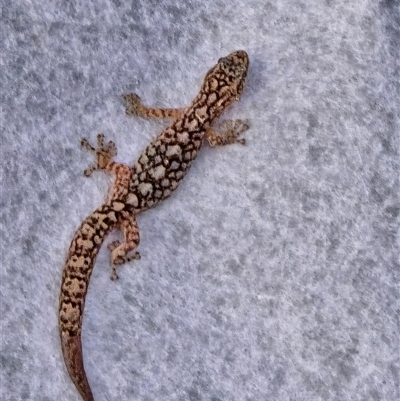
{"x":230,"y":130}
{"x":104,"y":154}
{"x":121,"y":252}
{"x":135,"y":107}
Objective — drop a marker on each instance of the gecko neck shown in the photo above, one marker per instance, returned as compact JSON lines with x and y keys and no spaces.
{"x":209,"y":105}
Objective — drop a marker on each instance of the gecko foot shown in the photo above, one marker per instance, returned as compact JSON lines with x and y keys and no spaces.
{"x":104,"y":154}
{"x":118,"y":259}
{"x":133,"y":104}
{"x":233,"y":128}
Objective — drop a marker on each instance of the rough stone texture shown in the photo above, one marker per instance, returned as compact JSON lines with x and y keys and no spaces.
{"x":272,"y":273}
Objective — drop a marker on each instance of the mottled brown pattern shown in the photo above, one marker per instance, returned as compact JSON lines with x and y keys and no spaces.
{"x":156,"y":174}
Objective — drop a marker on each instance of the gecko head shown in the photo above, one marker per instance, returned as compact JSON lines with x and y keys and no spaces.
{"x":229,"y":75}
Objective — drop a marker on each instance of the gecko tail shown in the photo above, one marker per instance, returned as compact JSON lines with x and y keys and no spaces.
{"x":72,"y":351}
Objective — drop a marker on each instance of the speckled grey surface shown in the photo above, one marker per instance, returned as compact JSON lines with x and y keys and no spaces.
{"x":273,"y":272}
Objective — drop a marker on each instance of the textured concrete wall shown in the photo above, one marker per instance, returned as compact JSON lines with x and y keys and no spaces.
{"x":273,"y":272}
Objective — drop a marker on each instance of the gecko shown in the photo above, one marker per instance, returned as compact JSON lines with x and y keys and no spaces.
{"x":156,"y":174}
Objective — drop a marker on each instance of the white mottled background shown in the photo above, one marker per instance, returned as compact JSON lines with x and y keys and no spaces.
{"x":273,"y":271}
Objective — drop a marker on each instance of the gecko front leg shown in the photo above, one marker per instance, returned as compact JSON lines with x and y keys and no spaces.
{"x":230,"y":130}
{"x":135,"y":107}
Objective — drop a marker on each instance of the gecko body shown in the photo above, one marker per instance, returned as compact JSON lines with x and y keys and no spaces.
{"x":156,"y":174}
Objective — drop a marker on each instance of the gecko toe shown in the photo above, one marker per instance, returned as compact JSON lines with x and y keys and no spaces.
{"x":114,"y":276}
{"x":135,"y":256}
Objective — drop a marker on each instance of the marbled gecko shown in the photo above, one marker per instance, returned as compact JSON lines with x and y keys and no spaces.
{"x":157,"y":173}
